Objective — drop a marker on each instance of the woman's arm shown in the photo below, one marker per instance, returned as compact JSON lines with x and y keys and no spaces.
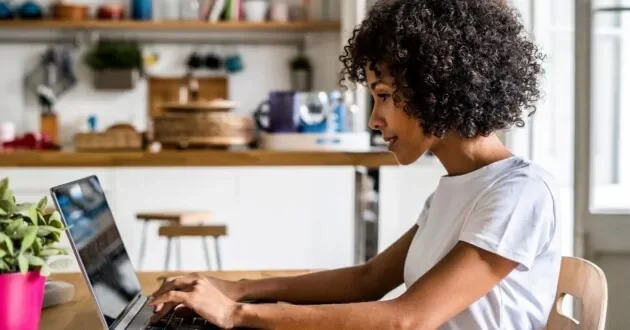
{"x":367,"y":282}
{"x":462,"y":277}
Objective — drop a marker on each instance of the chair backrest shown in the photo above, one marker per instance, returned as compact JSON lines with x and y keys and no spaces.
{"x":584,"y":280}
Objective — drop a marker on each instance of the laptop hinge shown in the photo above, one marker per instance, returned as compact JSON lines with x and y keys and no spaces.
{"x":129,"y":313}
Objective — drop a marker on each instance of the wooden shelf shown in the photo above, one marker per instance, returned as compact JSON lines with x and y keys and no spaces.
{"x":370,"y":159}
{"x":305,"y":26}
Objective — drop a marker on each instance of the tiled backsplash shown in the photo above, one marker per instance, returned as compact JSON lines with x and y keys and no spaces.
{"x":266,"y":68}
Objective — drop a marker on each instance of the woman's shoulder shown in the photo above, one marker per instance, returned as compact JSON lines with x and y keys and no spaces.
{"x":521,"y":176}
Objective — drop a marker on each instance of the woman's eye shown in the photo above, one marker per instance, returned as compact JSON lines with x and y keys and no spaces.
{"x":383,"y":97}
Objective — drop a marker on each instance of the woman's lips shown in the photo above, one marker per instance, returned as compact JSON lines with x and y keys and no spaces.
{"x":391,"y":142}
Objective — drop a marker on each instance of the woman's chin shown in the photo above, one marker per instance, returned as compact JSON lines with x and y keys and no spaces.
{"x":406,"y":158}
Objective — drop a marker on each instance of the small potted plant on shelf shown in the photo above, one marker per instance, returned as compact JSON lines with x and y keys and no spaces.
{"x":117,"y":64}
{"x":28,"y":238}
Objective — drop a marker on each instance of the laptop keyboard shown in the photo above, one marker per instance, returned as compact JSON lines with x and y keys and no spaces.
{"x":174,"y":322}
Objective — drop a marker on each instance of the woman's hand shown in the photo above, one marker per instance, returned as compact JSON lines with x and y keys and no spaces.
{"x":197,"y":293}
{"x":229,"y":288}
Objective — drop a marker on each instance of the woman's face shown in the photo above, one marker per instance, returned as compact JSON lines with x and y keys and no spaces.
{"x":404,"y":136}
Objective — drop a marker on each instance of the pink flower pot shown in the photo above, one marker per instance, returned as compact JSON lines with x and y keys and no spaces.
{"x":21,"y":298}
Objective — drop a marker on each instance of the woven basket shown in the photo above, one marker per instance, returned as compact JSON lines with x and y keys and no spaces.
{"x":116,"y":138}
{"x":210,"y":129}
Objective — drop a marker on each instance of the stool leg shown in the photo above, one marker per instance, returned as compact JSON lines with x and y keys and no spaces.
{"x":168,"y":254}
{"x":206,"y":253}
{"x":217,"y":252}
{"x":179,"y":253}
{"x":143,"y":244}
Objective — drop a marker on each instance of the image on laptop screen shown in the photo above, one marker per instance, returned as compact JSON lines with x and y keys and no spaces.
{"x":109,"y":270}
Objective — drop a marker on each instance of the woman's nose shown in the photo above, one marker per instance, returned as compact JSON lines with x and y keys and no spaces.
{"x":376,"y":122}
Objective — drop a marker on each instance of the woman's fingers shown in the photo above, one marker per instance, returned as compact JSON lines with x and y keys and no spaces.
{"x":179,"y":297}
{"x":161,"y":310}
{"x":184,"y":311}
{"x":169,"y":300}
{"x":177,"y":283}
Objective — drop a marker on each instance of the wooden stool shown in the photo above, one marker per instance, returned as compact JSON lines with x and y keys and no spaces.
{"x":181,"y":218}
{"x":203,"y":231}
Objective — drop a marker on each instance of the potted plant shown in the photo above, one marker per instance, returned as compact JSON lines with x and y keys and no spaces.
{"x":301,"y":73}
{"x":117,"y":64}
{"x":28,"y":238}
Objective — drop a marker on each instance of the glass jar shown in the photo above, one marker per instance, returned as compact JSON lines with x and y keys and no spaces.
{"x":189,"y":10}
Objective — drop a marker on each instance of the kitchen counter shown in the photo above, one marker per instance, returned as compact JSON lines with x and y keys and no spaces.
{"x":370,"y":159}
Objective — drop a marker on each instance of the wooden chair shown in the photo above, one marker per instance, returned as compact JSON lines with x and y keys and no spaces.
{"x":181,"y":218}
{"x":203,"y":231}
{"x":584,"y":280}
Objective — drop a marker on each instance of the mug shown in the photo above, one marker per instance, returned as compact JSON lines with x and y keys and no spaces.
{"x":277,"y":114}
{"x":233,"y":63}
{"x":212,"y":61}
{"x":256,"y":10}
{"x":280,"y":12}
{"x":314,"y":110}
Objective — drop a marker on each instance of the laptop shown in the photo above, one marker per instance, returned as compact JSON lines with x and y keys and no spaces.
{"x":104,"y":261}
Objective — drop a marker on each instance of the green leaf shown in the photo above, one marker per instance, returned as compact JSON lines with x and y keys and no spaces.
{"x":37,"y":245}
{"x":30,"y":233}
{"x":22,"y":263}
{"x":35,"y":261}
{"x":41,"y":220}
{"x":3,"y":265}
{"x":3,"y":212}
{"x":49,"y":252}
{"x":46,"y":230}
{"x":4,"y":187}
{"x":41,"y":205}
{"x":29,"y":211}
{"x":15,"y":226}
{"x":44,"y":271}
{"x":2,"y":253}
{"x":7,"y":205}
{"x":55,"y":221}
{"x":55,"y":216}
{"x":8,"y":242}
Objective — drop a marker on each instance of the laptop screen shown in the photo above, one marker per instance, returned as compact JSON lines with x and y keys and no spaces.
{"x":110,"y":273}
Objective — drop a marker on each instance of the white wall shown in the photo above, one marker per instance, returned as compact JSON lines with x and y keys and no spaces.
{"x":266,"y":69}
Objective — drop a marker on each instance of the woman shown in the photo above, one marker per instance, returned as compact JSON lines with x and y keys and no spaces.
{"x":445,"y":75}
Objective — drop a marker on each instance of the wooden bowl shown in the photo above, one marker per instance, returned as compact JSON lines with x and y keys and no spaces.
{"x":70,"y":12}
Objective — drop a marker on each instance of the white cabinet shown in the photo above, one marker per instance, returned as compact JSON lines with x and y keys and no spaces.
{"x":295,"y":217}
{"x":277,"y":217}
{"x":174,"y":189}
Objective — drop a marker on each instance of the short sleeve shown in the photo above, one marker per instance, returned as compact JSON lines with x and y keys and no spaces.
{"x":424,"y":214}
{"x":515,"y":219}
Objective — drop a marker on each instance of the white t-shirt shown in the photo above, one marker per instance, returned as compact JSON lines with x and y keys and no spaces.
{"x":509,"y":208}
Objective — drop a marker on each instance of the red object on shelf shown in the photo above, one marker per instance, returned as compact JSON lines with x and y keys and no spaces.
{"x":111,"y":12}
{"x":31,"y":141}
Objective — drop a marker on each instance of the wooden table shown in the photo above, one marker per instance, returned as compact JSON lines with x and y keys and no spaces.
{"x":81,"y":314}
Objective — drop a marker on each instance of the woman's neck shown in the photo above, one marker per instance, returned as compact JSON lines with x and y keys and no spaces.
{"x":460,"y":156}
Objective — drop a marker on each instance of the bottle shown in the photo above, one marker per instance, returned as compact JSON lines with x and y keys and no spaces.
{"x":142,"y":10}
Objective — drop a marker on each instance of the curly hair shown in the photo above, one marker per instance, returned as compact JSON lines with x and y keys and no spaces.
{"x":462,"y":66}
